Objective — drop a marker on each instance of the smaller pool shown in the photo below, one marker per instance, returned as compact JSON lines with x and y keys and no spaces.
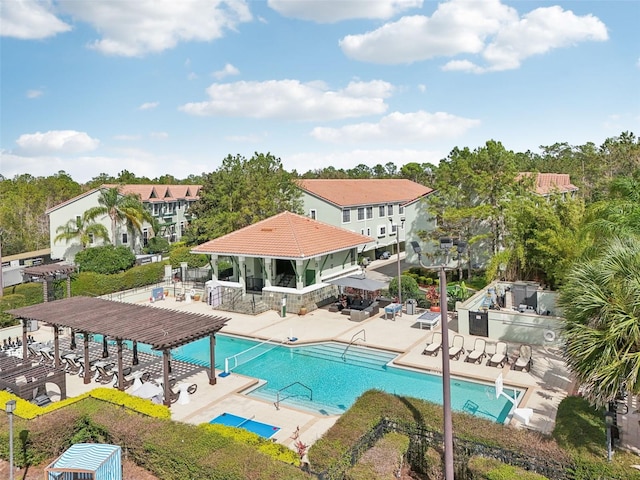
{"x":263,"y":429}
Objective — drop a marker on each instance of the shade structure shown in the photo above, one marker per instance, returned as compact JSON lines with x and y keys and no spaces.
{"x":94,"y":461}
{"x":359,"y":282}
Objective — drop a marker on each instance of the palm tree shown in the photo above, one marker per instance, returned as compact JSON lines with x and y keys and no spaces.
{"x":120,"y":208}
{"x":81,"y":228}
{"x":601,"y":302}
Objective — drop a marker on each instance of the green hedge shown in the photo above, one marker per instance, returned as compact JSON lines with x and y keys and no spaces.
{"x":93,"y":284}
{"x":483,"y":468}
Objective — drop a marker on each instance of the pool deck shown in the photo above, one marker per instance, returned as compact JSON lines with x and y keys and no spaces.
{"x":546,"y":385}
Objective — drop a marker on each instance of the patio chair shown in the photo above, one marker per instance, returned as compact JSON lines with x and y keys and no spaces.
{"x":174,"y":396}
{"x":457,"y":347}
{"x":524,"y":361}
{"x":479,"y":351}
{"x":127,"y":382}
{"x":46,"y":358}
{"x":104,"y":373}
{"x":435,"y":344}
{"x":499,"y":358}
{"x":72,"y":366}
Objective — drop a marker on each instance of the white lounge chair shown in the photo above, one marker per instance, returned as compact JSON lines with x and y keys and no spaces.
{"x":499,"y":358}
{"x":479,"y":351}
{"x":524,"y":361}
{"x":457,"y":347}
{"x":435,"y":344}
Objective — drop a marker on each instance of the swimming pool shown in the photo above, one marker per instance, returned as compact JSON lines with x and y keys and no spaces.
{"x":263,"y":429}
{"x":325,"y":379}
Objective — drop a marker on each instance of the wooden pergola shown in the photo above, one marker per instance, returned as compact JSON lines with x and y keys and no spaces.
{"x":162,"y":329}
{"x":49,"y":272}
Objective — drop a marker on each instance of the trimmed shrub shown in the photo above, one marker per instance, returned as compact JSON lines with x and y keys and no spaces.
{"x":492,"y":469}
{"x":182,"y":254}
{"x":105,"y":259}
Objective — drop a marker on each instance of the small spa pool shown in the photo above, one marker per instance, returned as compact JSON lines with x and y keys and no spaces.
{"x":263,"y":429}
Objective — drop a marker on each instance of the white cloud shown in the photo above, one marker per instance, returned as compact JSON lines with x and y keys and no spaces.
{"x":306,"y":161}
{"x":29,"y":20}
{"x":150,"y":26}
{"x":159,"y":135}
{"x":489,"y":29}
{"x":34,"y":93}
{"x":399,"y":128}
{"x":227,"y":71}
{"x":322,"y":11}
{"x":56,"y":141}
{"x":148,"y":105}
{"x":127,"y":138}
{"x":292,"y":100}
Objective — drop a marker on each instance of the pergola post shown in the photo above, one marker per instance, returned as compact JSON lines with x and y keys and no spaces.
{"x":105,"y":347}
{"x":56,"y":347}
{"x":165,"y":377}
{"x":87,"y":365}
{"x":45,"y":290}
{"x":135,"y":353}
{"x":212,"y":359}
{"x":25,"y":351}
{"x":120,"y":372}
{"x":68,"y":286}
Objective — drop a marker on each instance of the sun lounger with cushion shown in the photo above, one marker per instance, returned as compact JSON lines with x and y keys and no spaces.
{"x":457,"y":347}
{"x":499,"y":358}
{"x":478,"y":352}
{"x":435,"y":344}
{"x":524,"y":361}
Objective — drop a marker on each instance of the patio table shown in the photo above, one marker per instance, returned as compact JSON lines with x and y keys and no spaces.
{"x":393,"y":309}
{"x":430,"y":319}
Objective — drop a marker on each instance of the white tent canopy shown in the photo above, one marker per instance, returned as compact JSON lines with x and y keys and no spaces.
{"x":359,"y":282}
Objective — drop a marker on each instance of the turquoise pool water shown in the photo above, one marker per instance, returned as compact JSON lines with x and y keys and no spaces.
{"x":333,"y":379}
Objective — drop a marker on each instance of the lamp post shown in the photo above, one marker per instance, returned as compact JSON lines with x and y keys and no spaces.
{"x":446,"y":243}
{"x":10,"y":406}
{"x":398,"y":260}
{"x":608,"y":421}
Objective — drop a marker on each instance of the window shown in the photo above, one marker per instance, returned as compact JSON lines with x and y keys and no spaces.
{"x":366,"y":231}
{"x":78,"y":219}
{"x":389,"y":210}
{"x":125,"y":239}
{"x":369,"y":213}
{"x":394,"y":229}
{"x":360,"y":213}
{"x":382,"y":230}
{"x":313,"y":214}
{"x":145,"y":237}
{"x":381,"y":211}
{"x":91,"y":238}
{"x":182,"y":229}
{"x":400,"y":209}
{"x":346,"y":215}
{"x":156,"y":208}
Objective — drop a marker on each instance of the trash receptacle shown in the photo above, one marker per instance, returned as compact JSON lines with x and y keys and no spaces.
{"x":411,"y":306}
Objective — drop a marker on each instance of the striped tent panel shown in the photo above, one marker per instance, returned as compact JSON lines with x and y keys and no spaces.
{"x":87,"y":461}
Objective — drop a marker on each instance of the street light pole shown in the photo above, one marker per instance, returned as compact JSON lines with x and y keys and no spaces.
{"x":10,"y":406}
{"x":608,"y":421}
{"x":446,"y":244}
{"x":398,"y":261}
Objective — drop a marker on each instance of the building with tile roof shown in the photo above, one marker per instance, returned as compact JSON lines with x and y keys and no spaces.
{"x":287,"y":255}
{"x":168,"y":203}
{"x":371,"y":207}
{"x":546,"y":184}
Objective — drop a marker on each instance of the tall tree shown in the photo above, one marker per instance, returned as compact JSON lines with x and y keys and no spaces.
{"x":240,"y":193}
{"x":602,"y":321}
{"x":119,"y":208}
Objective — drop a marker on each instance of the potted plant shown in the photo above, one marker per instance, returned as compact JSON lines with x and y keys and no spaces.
{"x":433,"y":296}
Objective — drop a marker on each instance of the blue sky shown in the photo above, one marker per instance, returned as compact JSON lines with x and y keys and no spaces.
{"x":166,"y":86}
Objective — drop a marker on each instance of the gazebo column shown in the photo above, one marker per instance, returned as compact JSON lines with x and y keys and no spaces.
{"x":73,"y":345}
{"x":105,"y":347}
{"x":212,"y":359}
{"x":87,"y":365}
{"x":120,"y":366}
{"x":241,"y":269}
{"x":268,"y":272}
{"x":299,"y":275}
{"x":68,"y":286}
{"x":45,"y":290}
{"x":317,"y":269}
{"x":214,"y":267}
{"x":135,"y":353}
{"x":56,"y":347}
{"x":165,"y":376}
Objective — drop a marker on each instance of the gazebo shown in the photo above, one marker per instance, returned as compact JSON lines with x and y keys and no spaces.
{"x":49,"y":272}
{"x":161,"y":329}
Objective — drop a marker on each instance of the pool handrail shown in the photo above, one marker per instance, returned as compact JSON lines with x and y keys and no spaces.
{"x":278,"y":399}
{"x":353,"y":340}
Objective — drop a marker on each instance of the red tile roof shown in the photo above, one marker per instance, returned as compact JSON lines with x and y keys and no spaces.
{"x":547,"y":183}
{"x":285,"y":235}
{"x":352,"y":192}
{"x":147,"y":193}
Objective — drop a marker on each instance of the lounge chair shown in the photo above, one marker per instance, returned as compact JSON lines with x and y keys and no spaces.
{"x":479,"y":351}
{"x":174,"y":396}
{"x":524,"y":361}
{"x":105,"y":374}
{"x":457,"y":347}
{"x":46,"y":358}
{"x":72,"y":365}
{"x":435,"y":345}
{"x":127,"y":382}
{"x":499,"y":358}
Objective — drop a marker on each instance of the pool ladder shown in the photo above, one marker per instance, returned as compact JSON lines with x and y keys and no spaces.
{"x":278,"y":399}
{"x":354,"y":339}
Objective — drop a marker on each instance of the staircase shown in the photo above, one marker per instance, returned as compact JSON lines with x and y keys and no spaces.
{"x":355,"y":355}
{"x":250,"y":305}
